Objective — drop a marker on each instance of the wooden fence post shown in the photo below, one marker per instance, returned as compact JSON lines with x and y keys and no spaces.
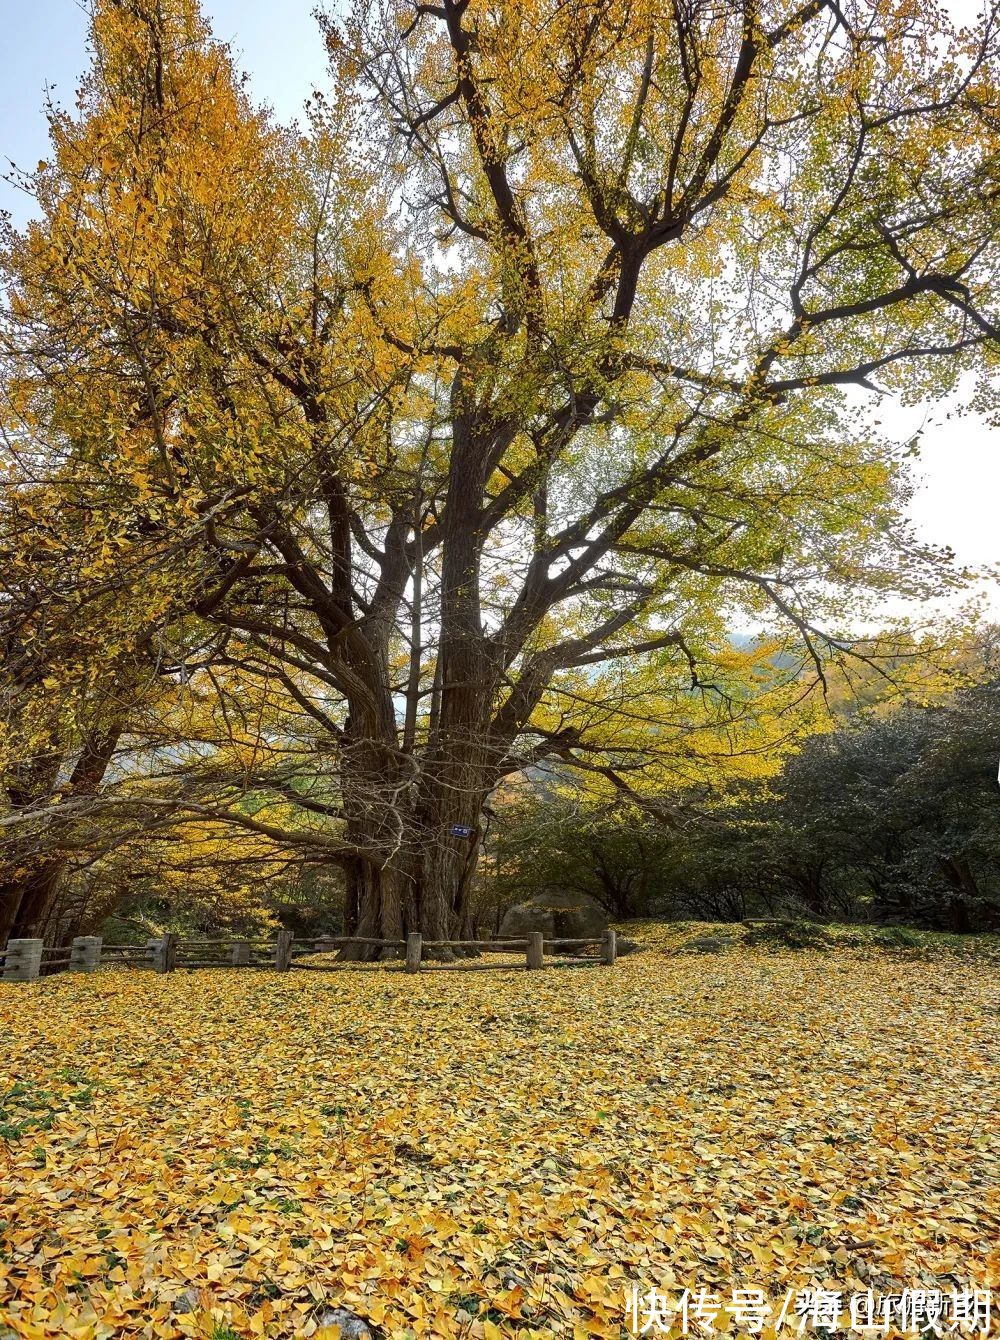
{"x":534,"y":951}
{"x":609,"y":947}
{"x":23,"y":960}
{"x":414,"y":951}
{"x":165,"y":957}
{"x":283,"y":951}
{"x":240,"y":954}
{"x":85,"y":953}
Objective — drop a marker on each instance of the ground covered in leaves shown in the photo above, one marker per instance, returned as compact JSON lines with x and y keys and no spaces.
{"x":491,"y":1153}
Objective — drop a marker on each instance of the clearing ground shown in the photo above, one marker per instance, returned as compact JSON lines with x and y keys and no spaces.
{"x":491,"y":1153}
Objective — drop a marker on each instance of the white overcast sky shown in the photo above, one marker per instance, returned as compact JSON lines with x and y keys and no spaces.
{"x":277,"y":43}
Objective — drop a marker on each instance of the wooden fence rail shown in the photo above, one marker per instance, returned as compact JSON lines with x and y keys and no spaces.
{"x":26,"y":960}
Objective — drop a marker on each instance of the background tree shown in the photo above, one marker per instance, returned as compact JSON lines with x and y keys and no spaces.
{"x":890,"y":817}
{"x":896,"y":818}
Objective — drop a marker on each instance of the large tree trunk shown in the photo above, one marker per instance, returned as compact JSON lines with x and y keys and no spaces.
{"x":32,"y":779}
{"x":377,"y":895}
{"x":403,"y":810}
{"x":32,"y":899}
{"x":460,"y":770}
{"x":448,"y":859}
{"x":420,"y":873}
{"x":27,"y":899}
{"x":376,"y":795}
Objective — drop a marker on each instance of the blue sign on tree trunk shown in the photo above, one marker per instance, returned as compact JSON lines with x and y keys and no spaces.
{"x":461,"y":830}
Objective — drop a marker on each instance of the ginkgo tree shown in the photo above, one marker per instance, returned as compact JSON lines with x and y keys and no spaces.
{"x":543,"y":350}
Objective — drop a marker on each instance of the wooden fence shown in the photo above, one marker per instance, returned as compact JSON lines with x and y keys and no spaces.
{"x":27,"y":960}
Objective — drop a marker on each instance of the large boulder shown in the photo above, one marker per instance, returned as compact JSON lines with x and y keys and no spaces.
{"x":565,"y":915}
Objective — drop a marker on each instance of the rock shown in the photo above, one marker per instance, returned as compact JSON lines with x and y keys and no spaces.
{"x":352,"y":1327}
{"x":510,"y":1279}
{"x":708,"y":944}
{"x":565,"y":915}
{"x":189,"y":1301}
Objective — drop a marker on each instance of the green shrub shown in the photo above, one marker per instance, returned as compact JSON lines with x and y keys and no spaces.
{"x":898,"y":937}
{"x":787,"y":935}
